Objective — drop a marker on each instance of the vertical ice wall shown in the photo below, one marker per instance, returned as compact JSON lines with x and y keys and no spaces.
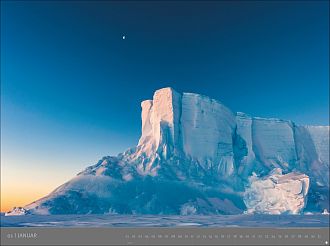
{"x":190,"y":124}
{"x":268,"y":144}
{"x":147,"y":131}
{"x":273,"y":143}
{"x":314,"y":152}
{"x":207,"y":129}
{"x":245,"y":157}
{"x":320,"y":138}
{"x":160,"y":122}
{"x":204,"y":131}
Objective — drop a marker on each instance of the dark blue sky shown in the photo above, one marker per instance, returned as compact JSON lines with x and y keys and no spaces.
{"x":71,"y":86}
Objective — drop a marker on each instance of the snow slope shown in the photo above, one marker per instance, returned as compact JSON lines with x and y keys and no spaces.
{"x":195,"y":156}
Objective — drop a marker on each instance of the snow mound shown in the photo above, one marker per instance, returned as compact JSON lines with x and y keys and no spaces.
{"x":325,"y":212}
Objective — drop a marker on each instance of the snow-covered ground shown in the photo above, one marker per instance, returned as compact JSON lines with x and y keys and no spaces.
{"x":279,"y":221}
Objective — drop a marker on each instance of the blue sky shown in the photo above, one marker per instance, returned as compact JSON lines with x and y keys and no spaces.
{"x":71,"y":87}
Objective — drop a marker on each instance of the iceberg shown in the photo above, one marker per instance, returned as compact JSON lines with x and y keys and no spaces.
{"x":196,"y":156}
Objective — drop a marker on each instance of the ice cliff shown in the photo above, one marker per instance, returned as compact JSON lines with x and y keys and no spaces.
{"x":196,"y":156}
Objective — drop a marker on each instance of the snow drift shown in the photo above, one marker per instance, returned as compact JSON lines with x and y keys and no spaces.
{"x":195,"y":156}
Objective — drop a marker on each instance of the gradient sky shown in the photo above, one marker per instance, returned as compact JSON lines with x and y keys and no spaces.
{"x":71,"y":87}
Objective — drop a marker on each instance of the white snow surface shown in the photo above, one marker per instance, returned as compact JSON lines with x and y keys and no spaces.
{"x":207,"y":154}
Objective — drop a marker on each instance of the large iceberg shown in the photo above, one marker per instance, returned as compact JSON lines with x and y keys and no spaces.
{"x":195,"y":156}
